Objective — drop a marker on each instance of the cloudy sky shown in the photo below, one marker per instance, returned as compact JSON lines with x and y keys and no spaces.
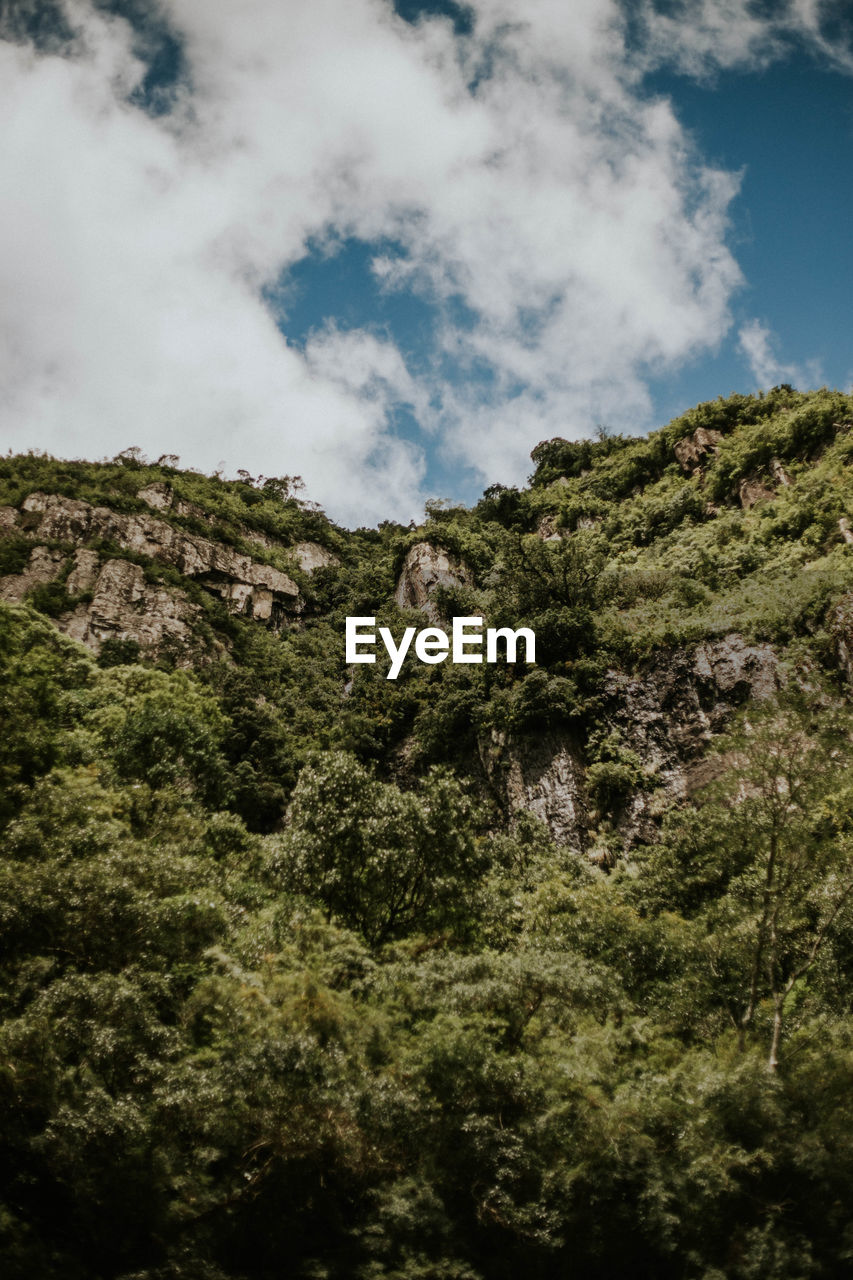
{"x":390,"y":247}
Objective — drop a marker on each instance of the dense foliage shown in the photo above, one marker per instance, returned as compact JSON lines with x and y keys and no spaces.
{"x":286,"y":990}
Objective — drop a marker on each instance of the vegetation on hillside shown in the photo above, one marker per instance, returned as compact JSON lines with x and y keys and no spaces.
{"x":284,"y":990}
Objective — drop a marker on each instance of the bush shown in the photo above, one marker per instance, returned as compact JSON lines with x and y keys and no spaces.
{"x":386,"y":862}
{"x":14,"y":554}
{"x":50,"y":598}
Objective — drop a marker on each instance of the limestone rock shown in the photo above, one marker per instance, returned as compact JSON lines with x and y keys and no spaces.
{"x":43,"y":566}
{"x":84,"y":575}
{"x":158,"y":495}
{"x":752,"y":491}
{"x":125,"y":607}
{"x":311,"y":556}
{"x":732,"y":670}
{"x":544,"y":775}
{"x":666,"y":715}
{"x":117,"y":601}
{"x":669,"y":713}
{"x":424,"y":570}
{"x":251,"y":587}
{"x":547,"y":529}
{"x":66,"y":519}
{"x":692,"y":451}
{"x":780,"y":475}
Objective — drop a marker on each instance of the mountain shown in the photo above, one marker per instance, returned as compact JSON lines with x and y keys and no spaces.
{"x":485,"y":969}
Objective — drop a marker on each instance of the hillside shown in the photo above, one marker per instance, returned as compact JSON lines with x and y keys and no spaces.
{"x":483,"y":971}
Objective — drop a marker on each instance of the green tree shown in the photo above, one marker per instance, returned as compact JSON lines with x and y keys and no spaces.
{"x":767,"y":867}
{"x":387,"y":862}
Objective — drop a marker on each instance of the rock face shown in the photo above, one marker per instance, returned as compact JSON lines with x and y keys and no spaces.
{"x":543,"y":775}
{"x":157,"y":495}
{"x":311,"y":556}
{"x":669,"y":714}
{"x":161,"y":497}
{"x":692,"y":451}
{"x":842,"y":629}
{"x":42,"y":567}
{"x":123,"y":604}
{"x":759,"y":488}
{"x":547,"y":529}
{"x":752,"y":491}
{"x":425,"y":569}
{"x":666,"y":716}
{"x":780,"y":475}
{"x":258,"y":590}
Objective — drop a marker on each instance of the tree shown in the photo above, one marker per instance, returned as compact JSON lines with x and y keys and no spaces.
{"x":773,"y":853}
{"x":387,"y":862}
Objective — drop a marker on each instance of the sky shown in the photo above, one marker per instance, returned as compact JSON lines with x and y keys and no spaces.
{"x":389,"y":247}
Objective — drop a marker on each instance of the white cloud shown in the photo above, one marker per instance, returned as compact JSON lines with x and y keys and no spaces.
{"x":563,"y":209}
{"x":367,"y":366}
{"x":701,"y":37}
{"x":757,"y":341}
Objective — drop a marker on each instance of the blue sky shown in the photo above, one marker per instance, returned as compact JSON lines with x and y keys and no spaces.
{"x":391,"y":247}
{"x":789,"y":129}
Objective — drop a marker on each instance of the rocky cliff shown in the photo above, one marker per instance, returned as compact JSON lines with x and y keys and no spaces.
{"x":671,"y":581}
{"x":426,"y":569}
{"x":268,"y":916}
{"x":664,"y":717}
{"x":78,"y":545}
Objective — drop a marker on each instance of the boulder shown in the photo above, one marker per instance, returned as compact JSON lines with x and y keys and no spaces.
{"x":693,"y":451}
{"x":752,"y":491}
{"x":158,"y":495}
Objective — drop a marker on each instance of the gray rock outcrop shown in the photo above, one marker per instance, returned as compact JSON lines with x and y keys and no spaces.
{"x":43,"y":566}
{"x":425,"y":569}
{"x":310,"y":556}
{"x":542,"y":774}
{"x":125,"y":607}
{"x":693,"y":451}
{"x":250,"y":587}
{"x":665,"y":715}
{"x":668,"y":713}
{"x":117,"y":599}
{"x":752,"y":491}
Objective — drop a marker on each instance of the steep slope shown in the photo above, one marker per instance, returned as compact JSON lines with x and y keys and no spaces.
{"x":668,"y":580}
{"x":486,"y":971}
